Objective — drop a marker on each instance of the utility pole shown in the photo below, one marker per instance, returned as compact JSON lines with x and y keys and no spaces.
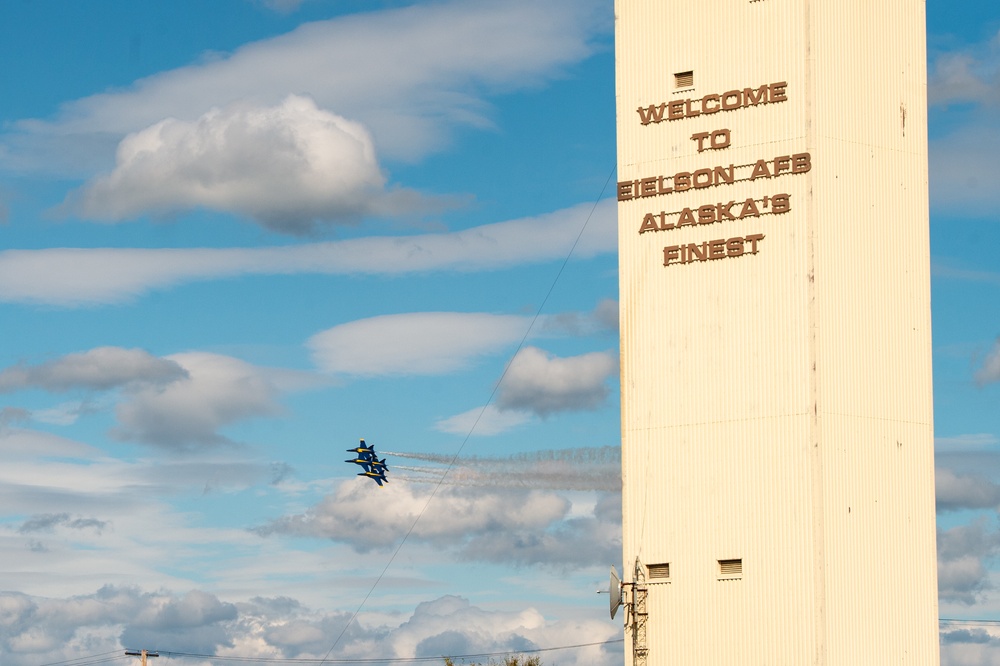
{"x":141,"y":654}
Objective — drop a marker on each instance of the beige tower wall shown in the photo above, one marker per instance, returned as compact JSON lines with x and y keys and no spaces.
{"x":777,"y":406}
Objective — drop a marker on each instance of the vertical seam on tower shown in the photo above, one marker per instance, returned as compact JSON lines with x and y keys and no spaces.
{"x":815,"y":443}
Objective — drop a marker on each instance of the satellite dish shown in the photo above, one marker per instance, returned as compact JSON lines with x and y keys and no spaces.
{"x":615,"y":592}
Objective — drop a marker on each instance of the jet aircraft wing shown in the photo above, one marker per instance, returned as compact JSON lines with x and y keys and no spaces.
{"x":377,"y":477}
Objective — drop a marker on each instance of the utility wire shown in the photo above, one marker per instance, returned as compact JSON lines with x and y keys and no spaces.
{"x":482,"y":411}
{"x":985,"y":623}
{"x":105,"y":658}
{"x":90,"y":660}
{"x":386,"y":660}
{"x":77,"y":659}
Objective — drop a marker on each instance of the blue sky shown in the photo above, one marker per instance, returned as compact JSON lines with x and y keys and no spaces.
{"x":239,"y":235}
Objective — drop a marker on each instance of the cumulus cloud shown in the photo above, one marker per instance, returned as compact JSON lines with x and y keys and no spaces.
{"x":113,"y":617}
{"x":288,"y":167}
{"x":178,"y":402}
{"x":506,"y":523}
{"x":92,"y":276}
{"x":454,"y":515}
{"x":545,"y":384}
{"x":188,"y":413}
{"x":602,"y":319}
{"x":990,"y":370}
{"x":576,"y":542}
{"x":962,"y":550}
{"x":196,"y":620}
{"x":418,"y":343}
{"x":39,"y":629}
{"x":482,"y":421}
{"x":98,"y":369}
{"x":410,"y":74}
{"x":971,"y":645}
{"x":956,"y":492}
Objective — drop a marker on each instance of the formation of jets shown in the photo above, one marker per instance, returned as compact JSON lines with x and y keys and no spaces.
{"x":375,"y":469}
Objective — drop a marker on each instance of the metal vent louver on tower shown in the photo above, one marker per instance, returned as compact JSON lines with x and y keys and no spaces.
{"x":731,"y":568}
{"x":659,"y":571}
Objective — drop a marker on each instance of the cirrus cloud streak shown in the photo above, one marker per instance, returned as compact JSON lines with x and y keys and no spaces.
{"x":410,"y":74}
{"x":94,"y":276}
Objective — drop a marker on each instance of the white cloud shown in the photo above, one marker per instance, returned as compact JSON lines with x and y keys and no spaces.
{"x":176,"y":402}
{"x":962,"y":574}
{"x":956,"y":492}
{"x":452,"y":516}
{"x":971,"y":442}
{"x":410,"y":74}
{"x":418,"y":343}
{"x":955,"y":80}
{"x":512,"y":525}
{"x":582,"y":541}
{"x":602,"y":319}
{"x":37,"y":629}
{"x":287,"y":167}
{"x":188,"y":413}
{"x":606,"y":312}
{"x":990,"y":370}
{"x":970,"y":647}
{"x":196,"y":621}
{"x":98,"y":369}
{"x":544,"y":384}
{"x":22,"y":443}
{"x":969,"y":75}
{"x":963,"y":168}
{"x":67,"y":413}
{"x":56,"y":476}
{"x":482,"y":421}
{"x":79,"y":276}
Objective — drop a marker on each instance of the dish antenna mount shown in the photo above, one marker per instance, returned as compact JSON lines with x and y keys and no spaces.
{"x":615,"y":592}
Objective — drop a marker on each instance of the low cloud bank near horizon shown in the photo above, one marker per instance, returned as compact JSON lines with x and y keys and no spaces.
{"x":35,"y":629}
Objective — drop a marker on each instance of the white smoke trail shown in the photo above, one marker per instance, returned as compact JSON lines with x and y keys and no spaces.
{"x":563,"y":469}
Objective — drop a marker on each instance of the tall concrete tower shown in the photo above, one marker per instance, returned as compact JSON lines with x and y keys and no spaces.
{"x":777,"y":435}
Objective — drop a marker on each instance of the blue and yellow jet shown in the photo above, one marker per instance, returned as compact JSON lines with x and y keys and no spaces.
{"x":377,"y":477}
{"x":363,"y":451}
{"x":375,"y":469}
